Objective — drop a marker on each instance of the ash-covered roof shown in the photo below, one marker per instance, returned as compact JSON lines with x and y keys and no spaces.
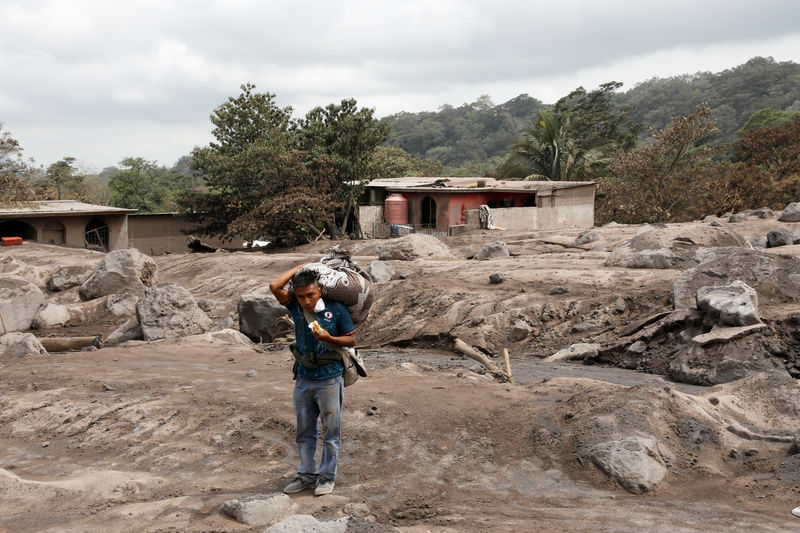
{"x":58,"y":208}
{"x":472,"y":184}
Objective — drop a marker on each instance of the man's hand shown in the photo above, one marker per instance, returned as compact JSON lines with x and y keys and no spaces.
{"x":281,"y":294}
{"x":321,"y":335}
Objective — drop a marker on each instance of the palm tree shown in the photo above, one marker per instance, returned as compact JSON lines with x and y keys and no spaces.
{"x":546,"y":152}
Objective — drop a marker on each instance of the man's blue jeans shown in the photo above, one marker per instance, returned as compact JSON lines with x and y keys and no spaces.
{"x":321,"y":399}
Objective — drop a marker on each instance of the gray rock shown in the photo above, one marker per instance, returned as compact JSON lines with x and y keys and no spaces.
{"x":716,"y":224}
{"x":709,"y":218}
{"x":20,"y":301}
{"x":226,"y":323}
{"x":69,"y":276}
{"x":50,"y":315}
{"x":492,"y":249}
{"x":660,"y":258}
{"x":168,"y":311}
{"x":260,"y":510}
{"x":580,"y":351}
{"x":734,"y":304}
{"x":129,"y":331}
{"x":519,"y":331}
{"x":757,"y":241}
{"x":413,"y":246}
{"x":774,"y":277}
{"x":726,"y":334}
{"x":9,"y":266}
{"x":359,"y":510}
{"x":638,"y":348}
{"x":779,"y":237}
{"x":17,"y":344}
{"x":251,"y":373}
{"x":738,"y":217}
{"x":381,"y":271}
{"x":477,"y":319}
{"x":301,"y":523}
{"x":261,"y":317}
{"x":587,"y":237}
{"x":791,"y":213}
{"x":123,"y":303}
{"x":635,"y":462}
{"x":738,"y":356}
{"x":586,"y":325}
{"x":117,"y":270}
{"x":206,"y":305}
{"x":763,"y":213}
{"x":558,"y":289}
{"x":796,"y":236}
{"x":496,"y":278}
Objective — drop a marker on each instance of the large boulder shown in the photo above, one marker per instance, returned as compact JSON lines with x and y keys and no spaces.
{"x":414,"y":246}
{"x":9,"y":266}
{"x":776,"y":278}
{"x":123,"y":303}
{"x":17,"y":344}
{"x":381,"y":271}
{"x":50,"y":315}
{"x":167,"y":311}
{"x":779,"y":237}
{"x":587,"y":237}
{"x":261,"y":317}
{"x":20,"y":300}
{"x":260,"y":510}
{"x":748,"y":350}
{"x":735,"y":304}
{"x":672,"y":246}
{"x":116,"y":271}
{"x":492,"y":249}
{"x":791,"y":213}
{"x":635,"y":462}
{"x":69,"y":276}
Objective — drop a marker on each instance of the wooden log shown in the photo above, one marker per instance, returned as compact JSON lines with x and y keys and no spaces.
{"x":508,"y":365}
{"x":69,"y":344}
{"x":497,"y":373}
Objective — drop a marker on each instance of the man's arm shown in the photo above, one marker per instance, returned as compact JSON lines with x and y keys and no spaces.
{"x":346,"y":341}
{"x":277,"y":286}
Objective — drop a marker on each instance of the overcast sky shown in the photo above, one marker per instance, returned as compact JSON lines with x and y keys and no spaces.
{"x":102,"y":80}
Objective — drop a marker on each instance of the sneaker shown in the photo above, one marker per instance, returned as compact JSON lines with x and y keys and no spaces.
{"x":298,"y":485}
{"x":795,"y":511}
{"x":323,"y":487}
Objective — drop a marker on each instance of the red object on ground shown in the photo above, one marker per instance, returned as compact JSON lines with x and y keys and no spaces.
{"x":11,"y":241}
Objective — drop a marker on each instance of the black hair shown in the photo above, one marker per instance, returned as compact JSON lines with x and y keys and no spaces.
{"x":304,"y":278}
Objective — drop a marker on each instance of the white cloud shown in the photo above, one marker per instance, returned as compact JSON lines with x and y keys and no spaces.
{"x":102,"y":80}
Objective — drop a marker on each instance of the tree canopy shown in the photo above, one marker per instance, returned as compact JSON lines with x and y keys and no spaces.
{"x":267,"y":175}
{"x":14,"y":171}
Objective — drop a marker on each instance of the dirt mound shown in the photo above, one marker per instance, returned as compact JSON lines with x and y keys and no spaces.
{"x":672,"y":246}
{"x":776,"y":278}
{"x":713,"y":433}
{"x":414,"y":246}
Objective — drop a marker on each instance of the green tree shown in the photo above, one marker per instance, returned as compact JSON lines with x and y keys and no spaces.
{"x":665,"y":180}
{"x":252,"y":134}
{"x":347,"y":136}
{"x":14,"y":171}
{"x":393,"y":162}
{"x":766,"y":117}
{"x":595,"y":120}
{"x":63,"y":180}
{"x":247,"y":119}
{"x":547,"y":152}
{"x":140,"y":185}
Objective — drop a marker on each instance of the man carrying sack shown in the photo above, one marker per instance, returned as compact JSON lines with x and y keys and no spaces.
{"x":323,"y":329}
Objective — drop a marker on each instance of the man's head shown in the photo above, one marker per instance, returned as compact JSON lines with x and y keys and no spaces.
{"x":306,"y":289}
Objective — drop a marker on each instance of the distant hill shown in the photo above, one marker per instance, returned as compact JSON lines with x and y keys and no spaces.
{"x":476,"y":132}
{"x":471,"y":133}
{"x":733,"y":95}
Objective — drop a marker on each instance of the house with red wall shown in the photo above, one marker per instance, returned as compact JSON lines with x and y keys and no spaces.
{"x":450,"y":205}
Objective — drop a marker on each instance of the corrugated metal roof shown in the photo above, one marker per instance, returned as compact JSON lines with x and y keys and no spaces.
{"x":59,"y":207}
